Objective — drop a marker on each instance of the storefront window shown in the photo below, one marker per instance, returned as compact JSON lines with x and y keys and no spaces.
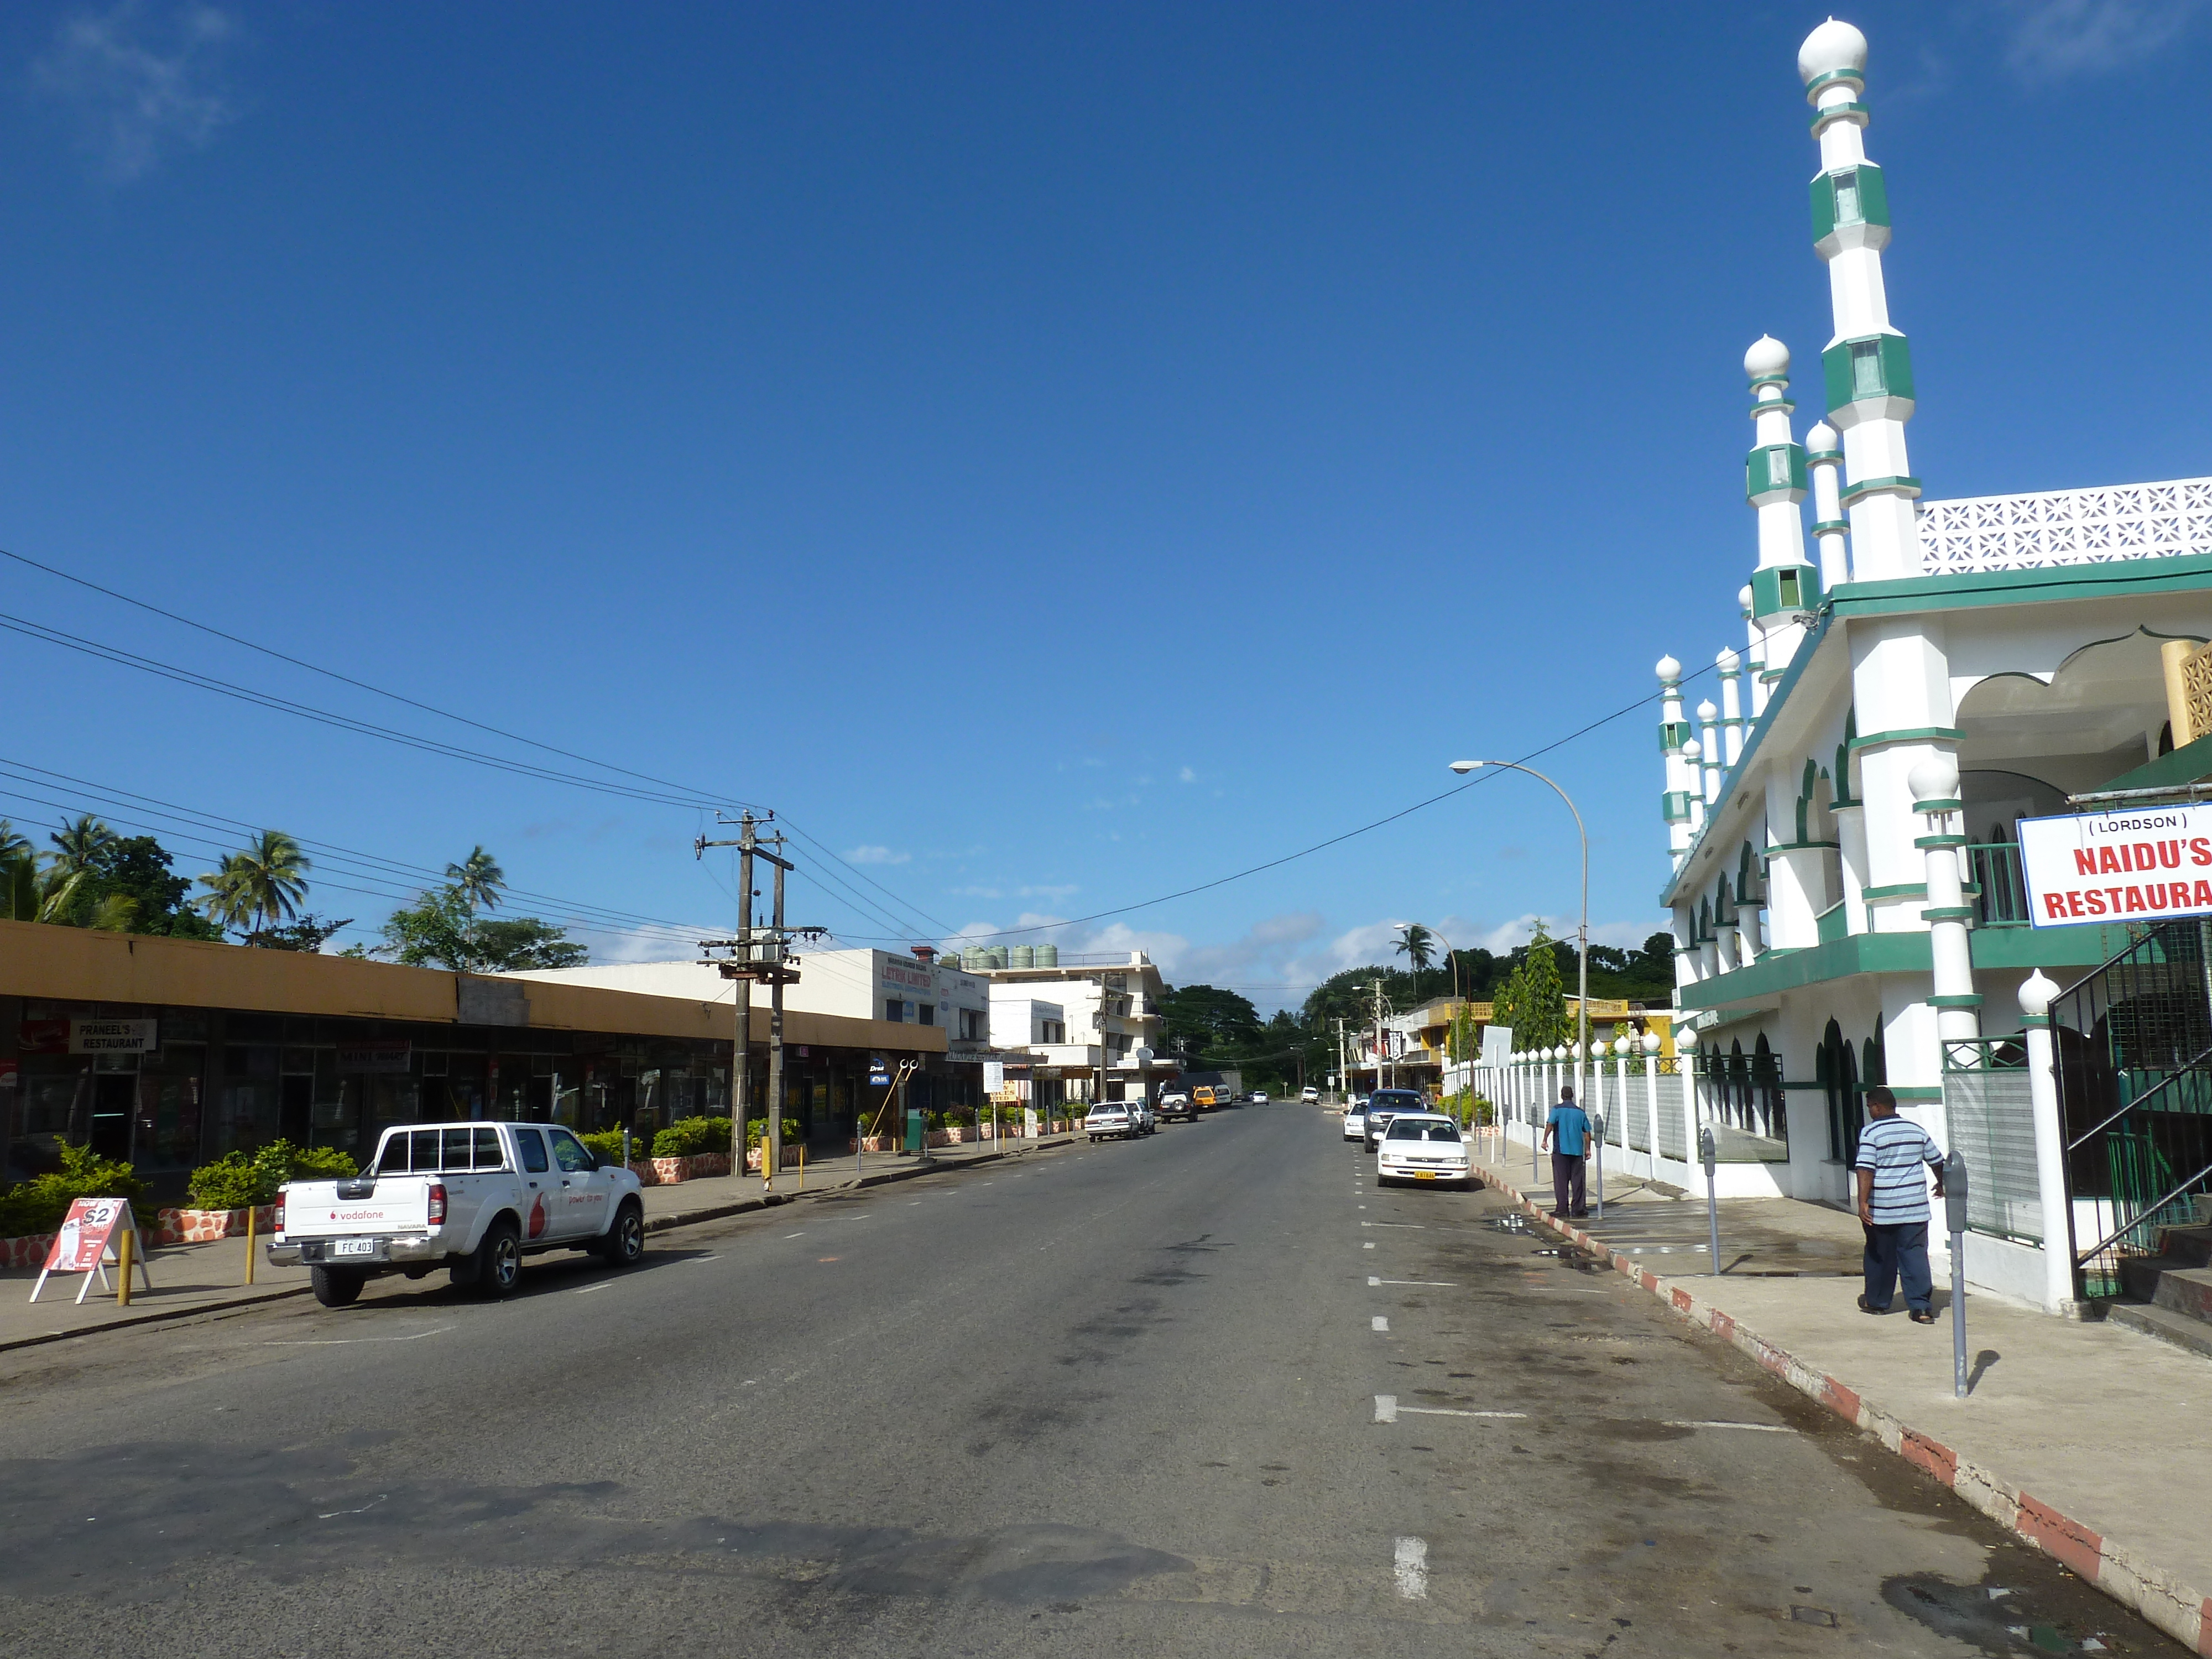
{"x":167,"y":1132}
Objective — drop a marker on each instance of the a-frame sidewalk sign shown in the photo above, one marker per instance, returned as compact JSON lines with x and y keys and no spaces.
{"x":86,"y":1244}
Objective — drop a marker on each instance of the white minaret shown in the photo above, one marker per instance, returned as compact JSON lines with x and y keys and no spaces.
{"x":1694,"y":775}
{"x":1785,"y":589}
{"x":1673,"y":733}
{"x":1708,"y":722}
{"x":1755,"y":654}
{"x":1823,"y":461}
{"x":1867,"y":367}
{"x":1731,"y":667}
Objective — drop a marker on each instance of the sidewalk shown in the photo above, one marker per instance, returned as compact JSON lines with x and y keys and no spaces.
{"x":2087,"y":1440}
{"x":190,"y":1280}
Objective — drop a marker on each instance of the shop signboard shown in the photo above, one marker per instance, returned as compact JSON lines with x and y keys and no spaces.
{"x":377,"y":1054}
{"x":994,"y":1076}
{"x":879,"y":1072}
{"x":2140,"y":865}
{"x":1498,"y":1045}
{"x":114,"y":1037}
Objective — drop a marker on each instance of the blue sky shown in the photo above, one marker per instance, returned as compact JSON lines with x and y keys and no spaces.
{"x":1056,"y":456}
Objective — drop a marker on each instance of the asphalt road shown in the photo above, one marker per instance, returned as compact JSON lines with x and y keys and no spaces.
{"x":1131,"y":1399}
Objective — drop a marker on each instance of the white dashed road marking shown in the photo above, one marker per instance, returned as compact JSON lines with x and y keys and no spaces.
{"x":1426,"y":1284}
{"x":1411,"y":1565}
{"x":1378,"y":1323}
{"x":1756,"y":1428}
{"x":1388,"y":1410}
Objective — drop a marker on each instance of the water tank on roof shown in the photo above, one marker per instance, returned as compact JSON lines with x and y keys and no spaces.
{"x":998,"y":956}
{"x":1024,"y":955}
{"x":1048,"y":956}
{"x":975,"y":957}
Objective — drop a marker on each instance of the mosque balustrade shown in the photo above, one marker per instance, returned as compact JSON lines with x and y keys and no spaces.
{"x":2066,"y":527}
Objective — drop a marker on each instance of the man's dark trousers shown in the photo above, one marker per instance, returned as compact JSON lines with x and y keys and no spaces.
{"x":1567,"y":1171}
{"x":1896,"y":1250}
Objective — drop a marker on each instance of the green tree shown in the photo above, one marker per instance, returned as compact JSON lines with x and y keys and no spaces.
{"x":1539,"y":1001}
{"x":136,"y":868}
{"x":309,"y":934}
{"x":78,"y":847}
{"x":442,"y":929}
{"x":12,"y":841}
{"x":477,"y":880}
{"x":1202,"y":1022}
{"x":259,"y":886}
{"x":1418,"y":946}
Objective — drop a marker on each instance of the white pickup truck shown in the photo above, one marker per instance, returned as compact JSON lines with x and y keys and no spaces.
{"x":473,"y":1197}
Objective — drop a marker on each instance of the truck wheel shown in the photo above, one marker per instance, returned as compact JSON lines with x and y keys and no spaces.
{"x":499,"y":1259}
{"x":624,"y":1244}
{"x":337,"y":1288}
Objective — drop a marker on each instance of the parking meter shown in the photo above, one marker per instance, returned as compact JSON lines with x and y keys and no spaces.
{"x":1954,"y":1221}
{"x":1597,"y":1163}
{"x":1709,"y":1152}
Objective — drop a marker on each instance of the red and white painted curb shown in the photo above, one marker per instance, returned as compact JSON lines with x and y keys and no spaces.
{"x":2124,"y":1575}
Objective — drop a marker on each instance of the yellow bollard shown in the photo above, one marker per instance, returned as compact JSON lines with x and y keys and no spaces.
{"x":802,"y":1168}
{"x":252,"y":1215}
{"x":123,"y":1263}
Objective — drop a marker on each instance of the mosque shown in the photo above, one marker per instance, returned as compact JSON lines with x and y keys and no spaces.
{"x":1846,"y":888}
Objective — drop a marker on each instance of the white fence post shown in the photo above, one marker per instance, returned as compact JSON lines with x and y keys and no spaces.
{"x":2050,"y":1144}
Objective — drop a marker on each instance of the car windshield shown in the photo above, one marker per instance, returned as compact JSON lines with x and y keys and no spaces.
{"x":1397,"y":1100}
{"x":1423,"y":1128}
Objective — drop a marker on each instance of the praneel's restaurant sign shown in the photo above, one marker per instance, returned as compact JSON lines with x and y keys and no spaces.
{"x":2117,"y":866}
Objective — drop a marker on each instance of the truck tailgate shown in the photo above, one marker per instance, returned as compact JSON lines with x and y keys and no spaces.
{"x":399,"y":1204}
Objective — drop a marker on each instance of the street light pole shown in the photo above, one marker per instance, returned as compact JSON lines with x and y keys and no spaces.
{"x":1582,"y":935}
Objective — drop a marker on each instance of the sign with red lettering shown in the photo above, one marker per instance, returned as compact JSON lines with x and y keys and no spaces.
{"x":2139,"y":865}
{"x":86,"y":1242}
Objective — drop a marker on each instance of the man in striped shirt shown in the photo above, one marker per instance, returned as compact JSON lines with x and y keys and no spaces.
{"x":1894,"y":1207}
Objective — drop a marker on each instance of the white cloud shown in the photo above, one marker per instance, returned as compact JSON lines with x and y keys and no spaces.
{"x":141,"y":88}
{"x":2052,"y":39}
{"x":1187,"y":775}
{"x":875,"y":855}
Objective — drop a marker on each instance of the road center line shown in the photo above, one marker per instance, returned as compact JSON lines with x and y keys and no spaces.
{"x":1417,"y":1226}
{"x":1388,"y":1410}
{"x":1428,"y":1284}
{"x":1756,"y":1428}
{"x":1410,"y":1563}
{"x":349,"y":1341}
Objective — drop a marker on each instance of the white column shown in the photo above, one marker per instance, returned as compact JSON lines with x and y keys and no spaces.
{"x":1935,"y":785}
{"x":1692,"y":752}
{"x":1754,"y":653}
{"x":1785,"y":588}
{"x":1823,"y":461}
{"x":2050,"y":1144}
{"x":1620,"y":1090}
{"x":1851,"y":842}
{"x":1673,"y":733}
{"x":1731,"y":667}
{"x":1709,"y":746}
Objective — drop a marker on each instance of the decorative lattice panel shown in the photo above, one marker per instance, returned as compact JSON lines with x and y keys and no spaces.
{"x":2196,"y":687}
{"x":2066,"y":527}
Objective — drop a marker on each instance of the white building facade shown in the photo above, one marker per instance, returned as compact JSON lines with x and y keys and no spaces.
{"x":1845,"y":887}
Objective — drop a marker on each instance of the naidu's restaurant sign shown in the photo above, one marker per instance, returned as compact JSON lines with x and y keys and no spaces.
{"x":2117,"y":866}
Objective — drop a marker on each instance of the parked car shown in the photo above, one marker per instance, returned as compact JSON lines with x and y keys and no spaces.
{"x":1177,"y":1106}
{"x":1423,"y":1146}
{"x":1385,"y":1104}
{"x":1310,"y":1095}
{"x":474,"y":1198}
{"x":1111,"y":1118}
{"x":1148,"y":1120}
{"x":1355,"y":1120}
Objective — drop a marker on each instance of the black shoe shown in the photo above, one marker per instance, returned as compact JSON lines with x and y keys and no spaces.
{"x":1558,"y":1215}
{"x":1923,"y":1315}
{"x":1864,"y":1309}
{"x":1580,"y":1215}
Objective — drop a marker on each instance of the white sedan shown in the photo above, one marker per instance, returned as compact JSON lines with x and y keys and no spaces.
{"x":1355,"y":1122}
{"x":1259,"y":1097}
{"x":1422,"y":1147}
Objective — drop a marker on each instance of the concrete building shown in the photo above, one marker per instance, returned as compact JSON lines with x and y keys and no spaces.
{"x":170,"y":1053}
{"x":1846,"y":889}
{"x":1107,"y":1009}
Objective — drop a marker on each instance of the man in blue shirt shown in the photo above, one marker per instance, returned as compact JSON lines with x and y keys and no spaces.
{"x":1571,"y":1126}
{"x":1893,"y":1205}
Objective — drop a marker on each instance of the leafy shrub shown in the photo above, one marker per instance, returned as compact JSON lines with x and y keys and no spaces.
{"x":606,"y":1145}
{"x":689,"y":1136}
{"x":755,"y":1127}
{"x":238,"y":1179}
{"x":37,"y":1205}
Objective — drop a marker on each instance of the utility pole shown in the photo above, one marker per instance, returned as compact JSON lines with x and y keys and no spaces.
{"x":1378,"y":1035}
{"x":766,"y":960}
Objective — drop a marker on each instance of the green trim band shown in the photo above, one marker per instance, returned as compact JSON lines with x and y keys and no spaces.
{"x":2035,"y":1022}
{"x":1910,"y":734}
{"x":1948,"y":912}
{"x":1924,"y":842}
{"x":1770,"y":380}
{"x":1799,"y":845}
{"x":1913,"y":890}
{"x":1813,"y":86}
{"x":1965,"y":999}
{"x":1832,"y":526}
{"x":1905,"y":486}
{"x":1934,"y":808}
{"x":1824,"y":458}
{"x":1914,"y":1093}
{"x":1856,"y":112}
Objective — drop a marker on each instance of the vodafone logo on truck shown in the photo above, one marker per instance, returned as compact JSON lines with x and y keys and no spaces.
{"x":2106,"y":866}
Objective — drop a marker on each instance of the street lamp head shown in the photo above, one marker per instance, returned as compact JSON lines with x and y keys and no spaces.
{"x":1465,"y":767}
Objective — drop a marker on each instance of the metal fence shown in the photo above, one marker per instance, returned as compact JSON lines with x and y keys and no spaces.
{"x":2000,"y":891}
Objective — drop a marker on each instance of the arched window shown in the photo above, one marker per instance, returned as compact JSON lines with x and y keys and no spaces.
{"x":1736,"y":1095}
{"x":1839,"y":1073}
{"x":1769,"y":1117}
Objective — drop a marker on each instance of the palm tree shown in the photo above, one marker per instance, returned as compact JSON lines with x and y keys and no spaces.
{"x":477,"y":880}
{"x":13,"y":841}
{"x":77,"y":846}
{"x":258,"y":887}
{"x":1418,"y":945}
{"x":30,"y":894}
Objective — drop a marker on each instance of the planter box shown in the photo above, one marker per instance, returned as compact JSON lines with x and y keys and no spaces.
{"x":28,"y":1251}
{"x":668,"y":1172}
{"x":205,"y":1226}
